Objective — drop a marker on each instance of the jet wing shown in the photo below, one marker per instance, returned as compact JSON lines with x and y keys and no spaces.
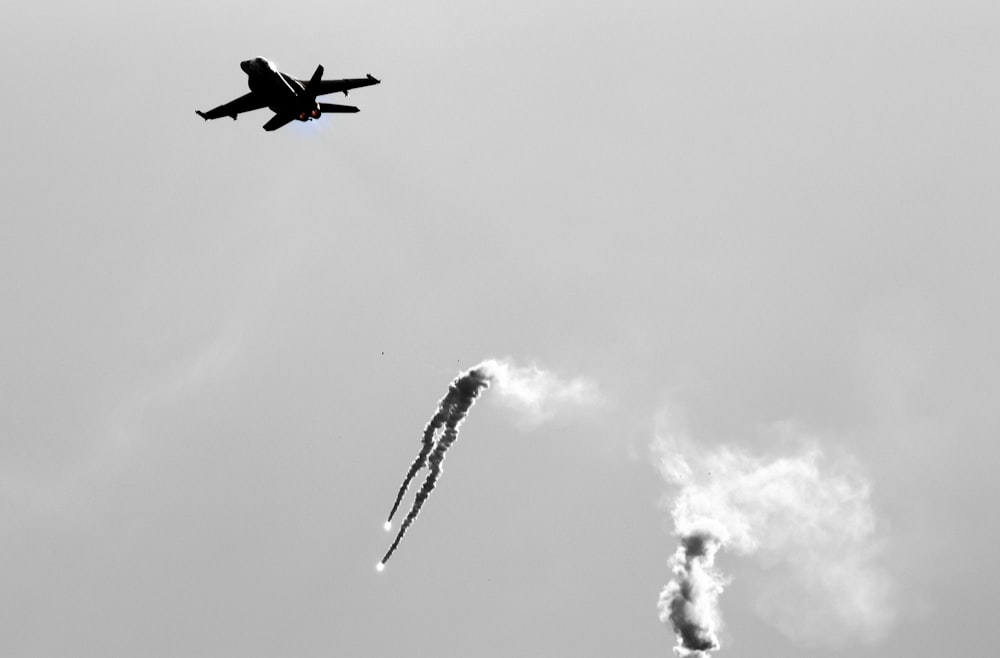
{"x":335,"y":86}
{"x":245,"y":103}
{"x":333,"y":107}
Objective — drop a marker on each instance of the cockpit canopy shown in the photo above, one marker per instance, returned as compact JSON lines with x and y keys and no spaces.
{"x":257,"y":65}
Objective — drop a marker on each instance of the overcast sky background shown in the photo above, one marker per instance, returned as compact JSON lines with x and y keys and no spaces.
{"x":219,"y":346}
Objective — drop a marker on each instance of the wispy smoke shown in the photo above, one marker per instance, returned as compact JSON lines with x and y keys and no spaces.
{"x":538,"y":395}
{"x":814,"y":531}
{"x":535,"y":392}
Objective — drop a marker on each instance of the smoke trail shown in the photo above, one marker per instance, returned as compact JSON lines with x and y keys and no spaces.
{"x":454,"y":407}
{"x":690,"y":600}
{"x":813,"y":529}
{"x":427,"y":444}
{"x":534,"y":393}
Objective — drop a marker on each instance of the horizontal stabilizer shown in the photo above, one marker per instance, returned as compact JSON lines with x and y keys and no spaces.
{"x":278,"y":120}
{"x":333,"y":107}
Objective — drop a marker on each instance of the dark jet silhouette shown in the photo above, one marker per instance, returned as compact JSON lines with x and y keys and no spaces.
{"x":289,"y":98}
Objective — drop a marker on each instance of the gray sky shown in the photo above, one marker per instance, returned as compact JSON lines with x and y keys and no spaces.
{"x":763,"y":226}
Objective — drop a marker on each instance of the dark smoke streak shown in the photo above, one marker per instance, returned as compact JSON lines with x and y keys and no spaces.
{"x":689,"y":600}
{"x":427,"y":444}
{"x":454,"y":407}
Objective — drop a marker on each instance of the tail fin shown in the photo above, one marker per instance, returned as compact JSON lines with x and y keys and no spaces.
{"x":312,"y":87}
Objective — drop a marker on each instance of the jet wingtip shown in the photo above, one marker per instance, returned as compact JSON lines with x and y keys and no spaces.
{"x":201,"y":114}
{"x":373,"y":79}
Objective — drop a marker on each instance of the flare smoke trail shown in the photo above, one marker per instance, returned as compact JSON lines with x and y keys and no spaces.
{"x":452,"y":410}
{"x":537,"y":395}
{"x":445,"y":409}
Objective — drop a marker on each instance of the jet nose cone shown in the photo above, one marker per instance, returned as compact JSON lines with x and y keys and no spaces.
{"x":245,"y":65}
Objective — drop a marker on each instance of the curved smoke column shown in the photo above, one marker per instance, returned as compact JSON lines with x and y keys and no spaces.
{"x":690,"y":601}
{"x":813,"y":527}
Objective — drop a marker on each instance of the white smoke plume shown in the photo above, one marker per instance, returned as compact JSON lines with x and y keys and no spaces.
{"x":538,"y":395}
{"x":535,"y":392}
{"x":813,"y":530}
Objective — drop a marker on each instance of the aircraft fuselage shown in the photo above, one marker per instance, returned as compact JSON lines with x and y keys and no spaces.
{"x":289,"y":98}
{"x":282,"y":91}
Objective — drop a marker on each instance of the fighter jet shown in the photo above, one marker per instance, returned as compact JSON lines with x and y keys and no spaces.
{"x":289,"y":98}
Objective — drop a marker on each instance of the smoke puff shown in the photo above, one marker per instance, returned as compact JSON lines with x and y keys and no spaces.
{"x":814,"y":530}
